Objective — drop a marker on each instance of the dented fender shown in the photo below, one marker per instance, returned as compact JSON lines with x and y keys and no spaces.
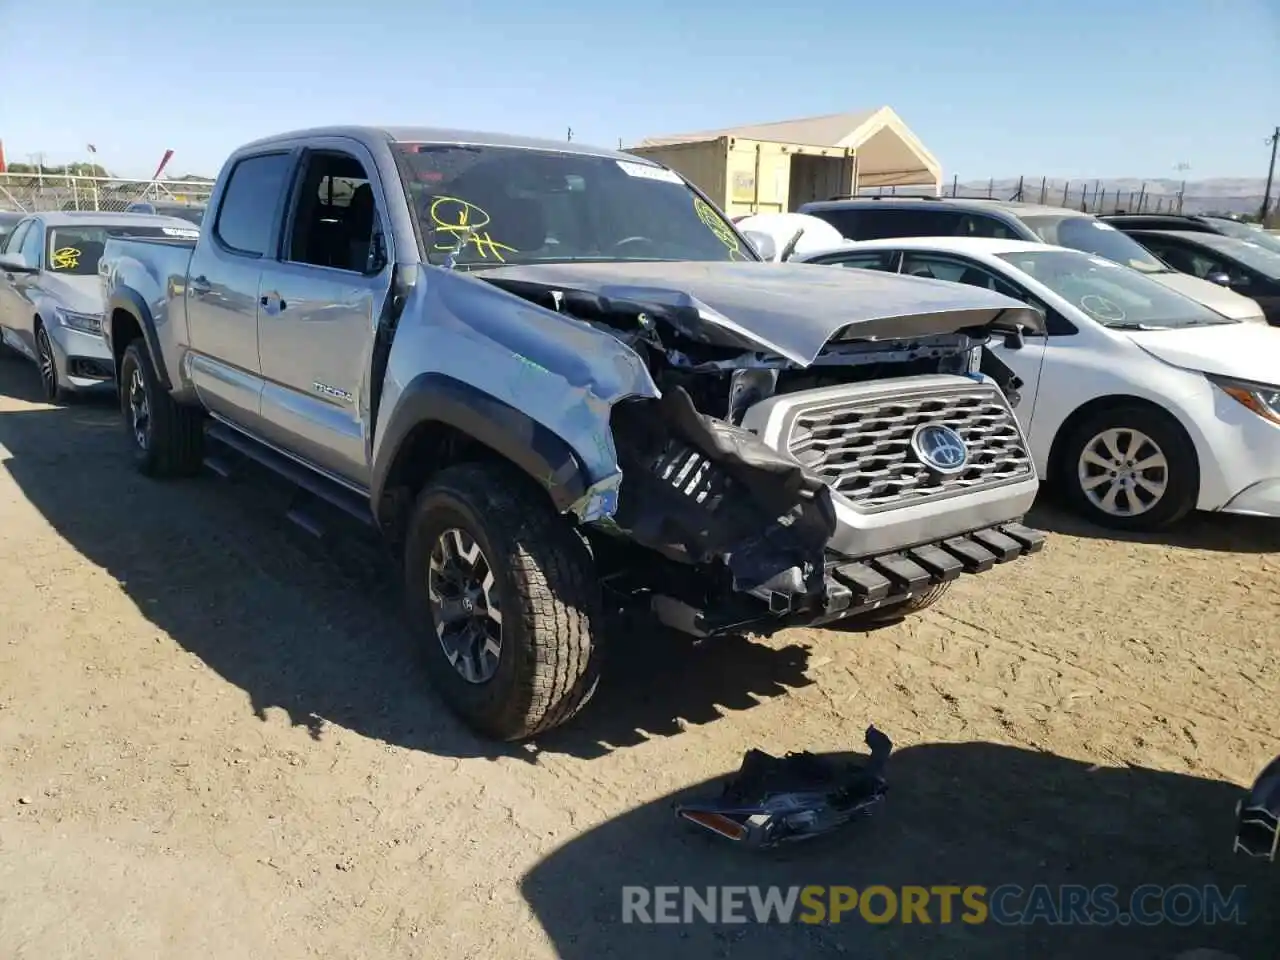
{"x":537,"y":386}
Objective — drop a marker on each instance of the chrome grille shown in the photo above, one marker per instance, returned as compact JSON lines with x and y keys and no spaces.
{"x":862,"y":446}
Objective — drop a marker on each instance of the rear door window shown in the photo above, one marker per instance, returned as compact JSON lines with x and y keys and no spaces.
{"x":892,"y":222}
{"x":878,"y":260}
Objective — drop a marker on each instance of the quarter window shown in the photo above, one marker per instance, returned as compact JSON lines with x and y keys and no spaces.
{"x":15,"y":239}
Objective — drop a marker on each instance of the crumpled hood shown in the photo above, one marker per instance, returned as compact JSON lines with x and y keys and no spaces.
{"x":78,"y":294}
{"x":1216,"y":298}
{"x":1247,"y":351}
{"x":789,"y":309}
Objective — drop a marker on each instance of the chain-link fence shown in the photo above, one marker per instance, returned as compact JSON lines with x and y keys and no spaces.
{"x":30,"y":192}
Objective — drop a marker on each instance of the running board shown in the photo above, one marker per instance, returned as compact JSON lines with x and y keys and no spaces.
{"x":334,"y":494}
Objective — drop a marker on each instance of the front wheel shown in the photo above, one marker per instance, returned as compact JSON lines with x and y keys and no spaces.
{"x":50,"y":390}
{"x":502,"y":591}
{"x":906,"y":608}
{"x":1130,"y":468}
{"x":167,"y":438}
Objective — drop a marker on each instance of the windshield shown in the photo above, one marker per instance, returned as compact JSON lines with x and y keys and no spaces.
{"x":1251,"y":251}
{"x":1094,"y":236}
{"x":1109,"y":293}
{"x":496,"y":205}
{"x":1252,"y":247}
{"x":75,"y":251}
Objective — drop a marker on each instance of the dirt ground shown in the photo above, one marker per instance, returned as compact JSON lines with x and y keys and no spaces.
{"x":216,"y":741}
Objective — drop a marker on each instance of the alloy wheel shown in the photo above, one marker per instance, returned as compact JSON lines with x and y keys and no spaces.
{"x":462,"y":592}
{"x":1123,"y":472}
{"x":139,"y":409}
{"x":48,"y":371}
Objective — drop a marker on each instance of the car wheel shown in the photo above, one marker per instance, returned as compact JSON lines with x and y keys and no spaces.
{"x":502,"y":591}
{"x":1130,"y":468}
{"x":167,"y":437}
{"x":904,"y":609}
{"x":49,"y":388}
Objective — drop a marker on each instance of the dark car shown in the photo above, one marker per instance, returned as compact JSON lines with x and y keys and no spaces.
{"x":879,"y":218}
{"x":192,"y":213}
{"x":1248,"y":267}
{"x":1193,"y":223}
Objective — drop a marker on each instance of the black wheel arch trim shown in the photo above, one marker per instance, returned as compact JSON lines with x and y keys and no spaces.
{"x":511,"y":433}
{"x":132,"y":303}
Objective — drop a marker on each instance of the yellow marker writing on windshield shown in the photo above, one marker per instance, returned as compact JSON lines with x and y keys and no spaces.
{"x":65,"y":258}
{"x":464,"y":221}
{"x":716,"y":225}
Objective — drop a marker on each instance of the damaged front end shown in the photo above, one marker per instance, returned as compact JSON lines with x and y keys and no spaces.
{"x":781,"y":455}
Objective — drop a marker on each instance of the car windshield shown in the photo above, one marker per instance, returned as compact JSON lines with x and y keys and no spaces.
{"x":1237,"y":233}
{"x":488,"y":206}
{"x":75,"y":250}
{"x":1093,"y":236}
{"x":1251,"y":251}
{"x":1111,"y":294}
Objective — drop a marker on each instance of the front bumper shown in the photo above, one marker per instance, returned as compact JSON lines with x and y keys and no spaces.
{"x":83,"y":360}
{"x":854,"y":587}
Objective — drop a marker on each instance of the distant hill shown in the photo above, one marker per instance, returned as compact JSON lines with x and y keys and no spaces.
{"x":1219,"y":195}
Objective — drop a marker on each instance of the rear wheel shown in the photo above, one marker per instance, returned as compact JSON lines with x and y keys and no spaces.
{"x":167,"y":437}
{"x":502,"y":592}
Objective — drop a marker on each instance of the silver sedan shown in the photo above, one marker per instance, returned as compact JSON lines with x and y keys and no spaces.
{"x":51,"y":297}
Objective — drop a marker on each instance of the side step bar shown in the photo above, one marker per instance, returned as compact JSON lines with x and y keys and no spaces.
{"x":307,"y":481}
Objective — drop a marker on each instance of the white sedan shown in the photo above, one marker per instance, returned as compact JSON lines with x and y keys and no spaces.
{"x":1140,"y":404}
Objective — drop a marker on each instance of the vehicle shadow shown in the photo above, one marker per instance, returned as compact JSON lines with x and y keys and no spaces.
{"x":1220,"y":532}
{"x":956,"y":814}
{"x":316,"y":627}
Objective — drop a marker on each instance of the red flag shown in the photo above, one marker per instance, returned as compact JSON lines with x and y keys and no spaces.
{"x":2,"y":166}
{"x":168,"y":155}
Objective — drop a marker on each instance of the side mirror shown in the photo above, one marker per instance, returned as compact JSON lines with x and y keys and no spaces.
{"x":15,"y":263}
{"x":763,"y":244}
{"x":1221,"y":279}
{"x":1015,"y":339}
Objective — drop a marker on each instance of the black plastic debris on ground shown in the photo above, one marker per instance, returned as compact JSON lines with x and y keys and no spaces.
{"x":774,"y":800}
{"x":1258,"y":816}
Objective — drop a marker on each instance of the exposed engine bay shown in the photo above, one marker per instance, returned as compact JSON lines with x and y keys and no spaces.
{"x":700,"y":486}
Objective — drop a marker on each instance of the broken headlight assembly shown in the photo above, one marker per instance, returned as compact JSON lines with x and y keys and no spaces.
{"x":774,"y":800}
{"x":1258,"y":816}
{"x":1261,"y":398}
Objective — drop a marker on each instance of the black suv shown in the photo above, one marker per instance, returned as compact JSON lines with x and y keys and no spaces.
{"x":1193,"y":223}
{"x":878,"y":218}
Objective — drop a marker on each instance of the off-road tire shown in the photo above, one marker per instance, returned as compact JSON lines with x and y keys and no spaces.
{"x":175,"y":447}
{"x":549,"y":663}
{"x":907,"y":607}
{"x":1183,"y":478}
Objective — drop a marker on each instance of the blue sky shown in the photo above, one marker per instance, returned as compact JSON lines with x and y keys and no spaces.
{"x":994,"y":87}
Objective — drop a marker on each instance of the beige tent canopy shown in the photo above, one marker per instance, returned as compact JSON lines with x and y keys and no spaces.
{"x":888,"y":153}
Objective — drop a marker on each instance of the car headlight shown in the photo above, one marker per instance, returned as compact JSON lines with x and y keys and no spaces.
{"x":1261,"y":398}
{"x":84,"y":322}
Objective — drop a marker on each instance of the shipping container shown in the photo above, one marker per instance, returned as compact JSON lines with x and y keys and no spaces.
{"x":759,"y":176}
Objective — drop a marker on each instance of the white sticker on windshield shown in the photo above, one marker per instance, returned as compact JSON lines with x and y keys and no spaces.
{"x":1099,"y":225}
{"x":647,"y":171}
{"x":180,"y":232}
{"x":1098,"y":262}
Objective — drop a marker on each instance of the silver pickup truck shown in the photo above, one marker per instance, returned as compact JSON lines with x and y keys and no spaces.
{"x":559,"y":383}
